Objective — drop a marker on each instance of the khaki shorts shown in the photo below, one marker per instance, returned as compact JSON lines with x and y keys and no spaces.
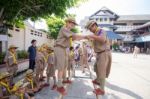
{"x":61,"y":58}
{"x":12,"y":69}
{"x":50,"y":71}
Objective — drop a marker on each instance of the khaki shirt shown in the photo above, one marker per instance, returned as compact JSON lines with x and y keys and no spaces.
{"x":63,"y":38}
{"x":9,"y":58}
{"x":99,"y":46}
{"x":51,"y":58}
{"x":39,"y":58}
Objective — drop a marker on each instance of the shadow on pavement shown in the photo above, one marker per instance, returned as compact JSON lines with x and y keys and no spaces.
{"x":123,"y":90}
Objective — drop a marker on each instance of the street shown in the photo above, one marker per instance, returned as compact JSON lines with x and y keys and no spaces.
{"x":129,"y":79}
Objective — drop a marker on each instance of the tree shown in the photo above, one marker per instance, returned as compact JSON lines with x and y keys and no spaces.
{"x":12,"y":11}
{"x":54,"y":24}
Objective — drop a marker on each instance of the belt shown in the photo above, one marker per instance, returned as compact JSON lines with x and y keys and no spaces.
{"x":103,"y":51}
{"x":59,"y":46}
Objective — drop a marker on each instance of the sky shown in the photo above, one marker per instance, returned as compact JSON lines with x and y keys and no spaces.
{"x":120,"y":7}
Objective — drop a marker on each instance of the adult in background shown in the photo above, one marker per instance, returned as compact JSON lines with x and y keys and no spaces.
{"x":32,"y":54}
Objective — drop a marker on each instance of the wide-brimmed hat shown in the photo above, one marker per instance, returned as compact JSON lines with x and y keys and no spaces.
{"x":89,"y":24}
{"x":12,"y":46}
{"x":72,"y":20}
{"x":29,"y":72}
{"x":4,"y":75}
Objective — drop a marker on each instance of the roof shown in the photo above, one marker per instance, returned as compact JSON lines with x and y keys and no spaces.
{"x":143,"y":26}
{"x":104,"y":11}
{"x":134,"y":17}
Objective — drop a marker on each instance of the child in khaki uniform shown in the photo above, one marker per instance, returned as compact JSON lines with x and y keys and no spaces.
{"x":103,"y":60}
{"x":45,"y":54}
{"x":11,"y":61}
{"x":4,"y":83}
{"x":62,"y":42}
{"x":70,"y":64}
{"x":39,"y":62}
{"x":85,"y":58}
{"x":51,"y":68}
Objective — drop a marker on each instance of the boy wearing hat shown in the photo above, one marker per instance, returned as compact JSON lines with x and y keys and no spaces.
{"x":39,"y":62}
{"x":70,"y":63}
{"x":103,"y":60}
{"x":11,"y":61}
{"x":45,"y":54}
{"x":85,"y":58}
{"x":51,"y":68}
{"x":62,"y":42}
{"x":4,"y":83}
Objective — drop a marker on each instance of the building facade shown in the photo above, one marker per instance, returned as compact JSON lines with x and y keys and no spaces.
{"x":21,"y":37}
{"x":119,"y":24}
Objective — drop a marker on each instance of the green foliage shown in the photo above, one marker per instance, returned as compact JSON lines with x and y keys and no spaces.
{"x":2,"y":55}
{"x":75,"y":30}
{"x":54,"y":25}
{"x":22,"y":54}
{"x":14,"y":11}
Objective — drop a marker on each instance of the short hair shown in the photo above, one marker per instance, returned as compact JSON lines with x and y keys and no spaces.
{"x":71,"y":48}
{"x":33,"y":41}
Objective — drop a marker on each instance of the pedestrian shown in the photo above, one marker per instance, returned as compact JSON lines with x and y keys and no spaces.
{"x":39,"y":61}
{"x":136,"y":51}
{"x":11,"y":62}
{"x":32,"y":54}
{"x":85,"y":58}
{"x":103,"y":59}
{"x":45,"y":54}
{"x":70,"y":64}
{"x":77,"y":56}
{"x":51,"y":67}
{"x":62,"y":42}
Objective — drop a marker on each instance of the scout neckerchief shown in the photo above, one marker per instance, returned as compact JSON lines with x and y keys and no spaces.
{"x":71,"y":53}
{"x":70,"y":41}
{"x":49,"y":55}
{"x":31,"y":82}
{"x":14,"y":57}
{"x":6,"y":85}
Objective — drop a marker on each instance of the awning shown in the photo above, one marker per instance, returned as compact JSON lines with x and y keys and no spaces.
{"x":145,"y":38}
{"x":111,"y":35}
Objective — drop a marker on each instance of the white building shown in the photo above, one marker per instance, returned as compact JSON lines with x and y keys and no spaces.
{"x":22,"y":37}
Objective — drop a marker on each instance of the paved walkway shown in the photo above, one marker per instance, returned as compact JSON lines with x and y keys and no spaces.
{"x":129,"y":79}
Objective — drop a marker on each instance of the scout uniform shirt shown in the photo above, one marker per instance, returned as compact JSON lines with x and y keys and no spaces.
{"x":11,"y":59}
{"x":39,"y":60}
{"x":98,"y":46}
{"x":63,"y":38}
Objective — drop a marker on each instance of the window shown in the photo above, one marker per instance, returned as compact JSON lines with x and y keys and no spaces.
{"x":124,"y":24}
{"x":100,"y":19}
{"x":105,"y":19}
{"x":17,"y":30}
{"x":138,"y":23}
